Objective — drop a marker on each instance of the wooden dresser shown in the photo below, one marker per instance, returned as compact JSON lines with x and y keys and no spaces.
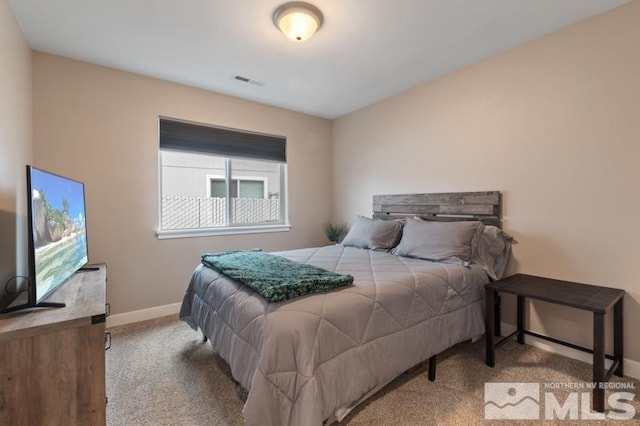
{"x":52,"y":361}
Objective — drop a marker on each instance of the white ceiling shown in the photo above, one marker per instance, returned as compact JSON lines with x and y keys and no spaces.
{"x":366,"y":50}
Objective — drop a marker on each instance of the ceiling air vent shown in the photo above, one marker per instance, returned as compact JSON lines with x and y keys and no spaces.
{"x":247,"y":80}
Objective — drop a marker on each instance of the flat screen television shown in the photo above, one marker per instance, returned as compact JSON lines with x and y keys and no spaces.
{"x":57,"y":234}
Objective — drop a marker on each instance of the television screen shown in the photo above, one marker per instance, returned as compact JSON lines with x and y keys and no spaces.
{"x":58,"y":234}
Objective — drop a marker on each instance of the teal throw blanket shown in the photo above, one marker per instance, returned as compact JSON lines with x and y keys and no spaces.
{"x":273,"y":277}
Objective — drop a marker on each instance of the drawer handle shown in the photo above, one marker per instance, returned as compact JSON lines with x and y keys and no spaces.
{"x":107,"y":340}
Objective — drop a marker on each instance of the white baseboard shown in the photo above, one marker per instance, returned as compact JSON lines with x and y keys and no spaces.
{"x":143,"y":315}
{"x":631,"y":367}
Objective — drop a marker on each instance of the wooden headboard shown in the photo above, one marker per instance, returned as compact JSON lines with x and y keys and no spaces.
{"x":451,"y":206}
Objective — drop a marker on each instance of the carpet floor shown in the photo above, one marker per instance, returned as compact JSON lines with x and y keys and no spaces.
{"x":161,"y":373}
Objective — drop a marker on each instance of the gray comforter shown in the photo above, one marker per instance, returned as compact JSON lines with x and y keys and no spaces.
{"x":315,"y":357}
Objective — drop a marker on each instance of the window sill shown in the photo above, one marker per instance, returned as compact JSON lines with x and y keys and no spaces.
{"x":208,"y":232}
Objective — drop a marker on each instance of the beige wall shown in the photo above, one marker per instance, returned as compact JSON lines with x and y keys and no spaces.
{"x":15,"y":145}
{"x":555,"y":126}
{"x":99,"y":125}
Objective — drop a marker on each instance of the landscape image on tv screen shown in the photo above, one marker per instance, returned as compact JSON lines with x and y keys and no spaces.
{"x":59,"y":229}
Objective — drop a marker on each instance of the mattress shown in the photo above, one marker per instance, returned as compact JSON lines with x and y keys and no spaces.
{"x":308,"y":359}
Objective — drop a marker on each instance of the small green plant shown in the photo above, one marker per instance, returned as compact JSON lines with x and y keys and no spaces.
{"x":335,"y":233}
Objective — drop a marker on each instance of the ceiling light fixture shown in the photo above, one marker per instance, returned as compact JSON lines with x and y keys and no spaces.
{"x":297,"y":20}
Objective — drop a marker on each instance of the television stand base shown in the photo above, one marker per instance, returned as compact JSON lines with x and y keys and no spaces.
{"x":29,"y":306}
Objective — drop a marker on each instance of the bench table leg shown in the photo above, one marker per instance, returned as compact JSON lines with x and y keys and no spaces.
{"x":520,"y":313}
{"x":617,"y":337}
{"x":490,"y":327}
{"x":598,"y":362}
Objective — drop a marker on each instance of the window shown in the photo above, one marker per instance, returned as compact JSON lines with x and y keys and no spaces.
{"x":246,"y":187}
{"x":216,"y":180}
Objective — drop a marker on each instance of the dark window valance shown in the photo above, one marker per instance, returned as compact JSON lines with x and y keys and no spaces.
{"x":184,"y":136}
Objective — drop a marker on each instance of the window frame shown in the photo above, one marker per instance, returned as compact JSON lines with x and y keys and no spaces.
{"x":264,"y":180}
{"x":229,"y":229}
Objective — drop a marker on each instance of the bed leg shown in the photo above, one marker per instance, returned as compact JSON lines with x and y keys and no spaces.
{"x":432,"y":368}
{"x":496,"y":312}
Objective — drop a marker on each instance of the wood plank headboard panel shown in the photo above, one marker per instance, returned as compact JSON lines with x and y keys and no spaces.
{"x":452,"y":206}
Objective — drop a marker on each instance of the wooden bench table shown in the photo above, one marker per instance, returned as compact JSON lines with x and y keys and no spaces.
{"x":581,"y":296}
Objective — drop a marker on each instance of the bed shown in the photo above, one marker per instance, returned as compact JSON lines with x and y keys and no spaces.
{"x":310,"y":360}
